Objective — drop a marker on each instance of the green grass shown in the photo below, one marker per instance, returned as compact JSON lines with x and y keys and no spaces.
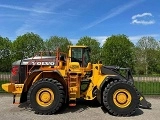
{"x":5,"y":73}
{"x":148,"y":88}
{"x":2,"y":82}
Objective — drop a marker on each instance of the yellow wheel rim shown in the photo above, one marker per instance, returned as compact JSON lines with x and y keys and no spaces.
{"x":122,"y":98}
{"x":45,"y":97}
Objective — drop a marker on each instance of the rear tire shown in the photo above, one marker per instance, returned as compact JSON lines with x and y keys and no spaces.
{"x":120,"y":98}
{"x":46,"y":96}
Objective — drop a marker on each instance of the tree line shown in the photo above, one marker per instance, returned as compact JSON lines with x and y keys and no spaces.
{"x":117,"y":50}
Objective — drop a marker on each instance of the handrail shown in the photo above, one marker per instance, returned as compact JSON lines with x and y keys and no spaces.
{"x":40,"y":60}
{"x":41,"y":53}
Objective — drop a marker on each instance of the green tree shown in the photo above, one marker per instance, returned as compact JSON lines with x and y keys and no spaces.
{"x":118,"y":50}
{"x":158,"y":61}
{"x":27,"y":45}
{"x":55,"y":42}
{"x":94,"y":45}
{"x":5,"y":54}
{"x":147,"y":57}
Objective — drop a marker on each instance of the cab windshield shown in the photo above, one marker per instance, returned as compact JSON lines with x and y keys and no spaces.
{"x":81,"y":55}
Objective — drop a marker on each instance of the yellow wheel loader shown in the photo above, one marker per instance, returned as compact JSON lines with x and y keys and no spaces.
{"x":48,"y":82}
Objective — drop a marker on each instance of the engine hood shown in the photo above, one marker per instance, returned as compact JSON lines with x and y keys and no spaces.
{"x":38,"y":60}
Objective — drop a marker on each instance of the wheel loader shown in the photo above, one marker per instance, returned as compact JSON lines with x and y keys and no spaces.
{"x":47,"y":82}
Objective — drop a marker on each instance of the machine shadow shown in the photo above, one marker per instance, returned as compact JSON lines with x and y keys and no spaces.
{"x":137,"y":112}
{"x":82,"y":105}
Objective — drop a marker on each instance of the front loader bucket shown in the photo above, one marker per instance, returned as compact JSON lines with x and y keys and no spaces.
{"x":144,"y":103}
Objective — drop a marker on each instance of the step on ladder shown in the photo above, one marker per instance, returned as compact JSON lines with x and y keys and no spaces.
{"x":72,"y":89}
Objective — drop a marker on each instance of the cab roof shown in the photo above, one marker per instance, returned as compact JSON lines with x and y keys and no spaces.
{"x":78,"y":46}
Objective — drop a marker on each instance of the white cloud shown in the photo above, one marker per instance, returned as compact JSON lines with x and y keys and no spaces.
{"x":34,"y":19}
{"x":25,"y":28}
{"x":8,"y":15}
{"x":114,"y":12}
{"x":101,"y":39}
{"x":143,"y":22}
{"x":39,"y":18}
{"x":74,"y":40}
{"x":23,"y":9}
{"x":141,"y":19}
{"x":134,"y":39}
{"x":141,"y":15}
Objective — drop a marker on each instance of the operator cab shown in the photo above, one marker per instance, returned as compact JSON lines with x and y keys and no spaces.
{"x":80,"y":54}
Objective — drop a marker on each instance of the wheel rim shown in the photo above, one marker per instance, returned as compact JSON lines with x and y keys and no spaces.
{"x":45,"y":97}
{"x":122,"y":98}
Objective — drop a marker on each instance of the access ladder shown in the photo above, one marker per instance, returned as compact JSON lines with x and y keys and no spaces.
{"x":73,"y":88}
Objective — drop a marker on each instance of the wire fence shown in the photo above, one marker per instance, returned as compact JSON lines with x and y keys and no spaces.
{"x":147,"y":85}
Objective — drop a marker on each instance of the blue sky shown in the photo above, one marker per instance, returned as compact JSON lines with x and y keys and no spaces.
{"x":74,"y":19}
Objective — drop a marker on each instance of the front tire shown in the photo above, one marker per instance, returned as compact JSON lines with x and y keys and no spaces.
{"x":46,"y":96}
{"x":120,"y":98}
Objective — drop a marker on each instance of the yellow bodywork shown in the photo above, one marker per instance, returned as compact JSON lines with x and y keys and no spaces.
{"x":75,"y":71}
{"x":13,"y":88}
{"x":96,"y":80}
